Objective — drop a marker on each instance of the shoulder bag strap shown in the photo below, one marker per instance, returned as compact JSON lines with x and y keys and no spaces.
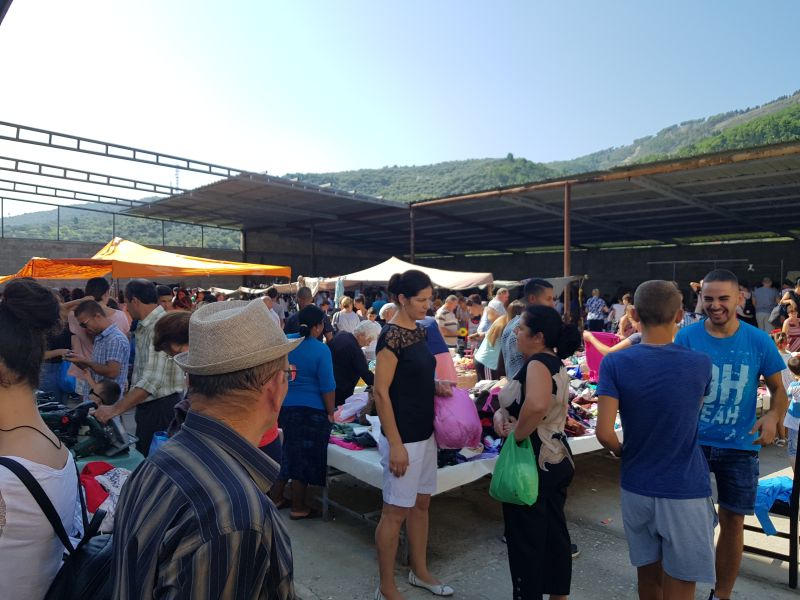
{"x":41,"y":499}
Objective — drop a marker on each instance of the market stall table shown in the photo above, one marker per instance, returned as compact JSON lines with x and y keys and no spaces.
{"x":365,"y":465}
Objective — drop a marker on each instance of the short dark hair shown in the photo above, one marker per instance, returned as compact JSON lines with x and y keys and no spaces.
{"x":304,"y":292}
{"x":109,"y":391}
{"x":272,"y":292}
{"x":794,"y":365}
{"x":96,"y":287}
{"x":657,"y":302}
{"x":536,"y":286}
{"x":163,"y":290}
{"x":90,"y":308}
{"x":723,"y":275}
{"x":172,"y":328}
{"x":564,"y":338}
{"x":141,"y":289}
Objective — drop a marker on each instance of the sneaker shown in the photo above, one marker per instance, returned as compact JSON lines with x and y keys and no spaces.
{"x":780,"y":442}
{"x":575,"y":551}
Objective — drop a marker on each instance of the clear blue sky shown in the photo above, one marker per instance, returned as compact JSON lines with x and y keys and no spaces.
{"x":324,"y":86}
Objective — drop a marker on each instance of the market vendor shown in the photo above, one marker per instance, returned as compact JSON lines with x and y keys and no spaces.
{"x":349,"y":361}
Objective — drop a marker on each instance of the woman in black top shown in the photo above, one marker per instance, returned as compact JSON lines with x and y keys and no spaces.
{"x":537,"y":538}
{"x":404,"y":391}
{"x":59,"y":342}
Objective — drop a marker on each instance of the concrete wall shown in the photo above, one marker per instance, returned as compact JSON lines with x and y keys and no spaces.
{"x":331,"y":260}
{"x":14,"y":253}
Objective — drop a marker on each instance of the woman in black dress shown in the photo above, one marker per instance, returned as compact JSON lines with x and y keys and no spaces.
{"x":537,"y":538}
{"x":404,"y":390}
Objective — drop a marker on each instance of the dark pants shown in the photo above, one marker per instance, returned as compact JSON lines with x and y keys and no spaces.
{"x":481,"y":371}
{"x":154,"y":416}
{"x":539,"y":546}
{"x":595,"y":324}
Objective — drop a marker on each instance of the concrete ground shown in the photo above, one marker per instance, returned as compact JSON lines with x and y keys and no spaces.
{"x":336,"y":560}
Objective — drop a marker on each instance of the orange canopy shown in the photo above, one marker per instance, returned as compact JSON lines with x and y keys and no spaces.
{"x":125,"y":259}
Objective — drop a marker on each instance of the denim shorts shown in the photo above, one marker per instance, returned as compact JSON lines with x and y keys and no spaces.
{"x":736,"y":473}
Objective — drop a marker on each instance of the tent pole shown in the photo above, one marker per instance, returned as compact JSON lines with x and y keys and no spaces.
{"x":567,"y":248}
{"x":313,"y":252}
{"x":412,"y":232}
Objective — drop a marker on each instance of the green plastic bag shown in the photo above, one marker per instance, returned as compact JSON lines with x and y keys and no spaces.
{"x":516,"y":478}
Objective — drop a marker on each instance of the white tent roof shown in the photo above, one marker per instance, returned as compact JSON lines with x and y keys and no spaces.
{"x":380,"y":274}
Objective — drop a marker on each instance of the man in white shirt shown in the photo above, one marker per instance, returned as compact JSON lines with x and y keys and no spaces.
{"x":496,"y":308}
{"x":270,"y":299}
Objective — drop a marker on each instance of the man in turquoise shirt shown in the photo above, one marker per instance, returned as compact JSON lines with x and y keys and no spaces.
{"x":729,"y":432}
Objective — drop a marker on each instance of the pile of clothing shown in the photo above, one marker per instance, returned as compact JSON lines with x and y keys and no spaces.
{"x":352,"y":436}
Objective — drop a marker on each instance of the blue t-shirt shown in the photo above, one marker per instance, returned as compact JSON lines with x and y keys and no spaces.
{"x":729,"y":409}
{"x":314,"y":374}
{"x":436,"y":343}
{"x":660,"y":391}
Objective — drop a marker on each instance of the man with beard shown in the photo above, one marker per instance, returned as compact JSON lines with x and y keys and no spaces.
{"x":729,"y":433}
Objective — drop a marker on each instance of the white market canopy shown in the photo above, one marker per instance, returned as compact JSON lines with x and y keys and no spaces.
{"x":380,"y":274}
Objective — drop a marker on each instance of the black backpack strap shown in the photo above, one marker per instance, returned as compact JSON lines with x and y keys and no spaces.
{"x":41,"y":499}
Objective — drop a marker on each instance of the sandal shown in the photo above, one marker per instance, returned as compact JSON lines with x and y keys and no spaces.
{"x":311,"y":514}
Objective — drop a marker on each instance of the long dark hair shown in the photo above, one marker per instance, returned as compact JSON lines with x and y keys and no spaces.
{"x":310,"y":316}
{"x":28,"y":311}
{"x":564,"y":338}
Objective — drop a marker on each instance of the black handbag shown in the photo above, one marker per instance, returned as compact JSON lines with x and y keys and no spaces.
{"x":86,"y":571}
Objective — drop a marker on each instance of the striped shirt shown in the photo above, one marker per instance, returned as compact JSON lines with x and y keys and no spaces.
{"x":194,"y":521}
{"x":153,"y":371}
{"x":112,"y":346}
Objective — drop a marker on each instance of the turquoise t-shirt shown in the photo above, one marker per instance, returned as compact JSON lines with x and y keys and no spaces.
{"x":729,"y":409}
{"x":314,"y":374}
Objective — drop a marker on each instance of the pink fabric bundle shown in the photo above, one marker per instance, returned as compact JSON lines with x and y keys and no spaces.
{"x":456,"y":423}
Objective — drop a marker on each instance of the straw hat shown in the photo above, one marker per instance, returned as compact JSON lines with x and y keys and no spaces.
{"x":230,"y":336}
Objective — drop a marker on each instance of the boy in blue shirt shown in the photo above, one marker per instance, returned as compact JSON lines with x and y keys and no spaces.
{"x":730,"y":435}
{"x":658,"y":388}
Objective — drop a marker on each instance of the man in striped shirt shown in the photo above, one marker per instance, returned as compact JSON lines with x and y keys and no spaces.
{"x":194,"y":520}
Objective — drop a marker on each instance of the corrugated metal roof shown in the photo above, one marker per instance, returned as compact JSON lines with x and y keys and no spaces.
{"x":670,"y":202}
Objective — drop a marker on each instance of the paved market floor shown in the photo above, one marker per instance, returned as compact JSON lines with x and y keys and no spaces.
{"x":336,"y":560}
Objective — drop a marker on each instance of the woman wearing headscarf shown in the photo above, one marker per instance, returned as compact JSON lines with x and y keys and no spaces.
{"x":306,"y":415}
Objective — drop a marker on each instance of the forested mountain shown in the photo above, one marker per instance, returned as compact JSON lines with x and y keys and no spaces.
{"x":429,"y":181}
{"x":776,"y":121}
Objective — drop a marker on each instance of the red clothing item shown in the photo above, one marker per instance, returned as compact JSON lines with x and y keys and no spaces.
{"x":95,"y":493}
{"x":269,"y":436}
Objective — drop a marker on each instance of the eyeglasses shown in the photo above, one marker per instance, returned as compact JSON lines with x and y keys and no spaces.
{"x":98,"y":396}
{"x":291,"y":373}
{"x":84,"y":323}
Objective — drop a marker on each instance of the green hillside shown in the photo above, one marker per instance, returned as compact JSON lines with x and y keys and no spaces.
{"x":775,"y":121}
{"x":430,"y":181}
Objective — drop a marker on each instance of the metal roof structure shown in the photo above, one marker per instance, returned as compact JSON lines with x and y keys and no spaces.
{"x":255,"y":201}
{"x":739,"y":194}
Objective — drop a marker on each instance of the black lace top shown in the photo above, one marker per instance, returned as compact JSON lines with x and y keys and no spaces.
{"x":412,"y":388}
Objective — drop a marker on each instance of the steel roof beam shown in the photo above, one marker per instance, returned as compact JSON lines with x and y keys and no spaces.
{"x":18,"y":165}
{"x":533,"y":204}
{"x":64,"y":141}
{"x":657,"y":186}
{"x":63,"y":194}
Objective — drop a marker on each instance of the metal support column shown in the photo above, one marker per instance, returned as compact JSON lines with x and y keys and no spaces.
{"x":412,"y":233}
{"x":567,"y":248}
{"x":58,"y":223}
{"x":313,"y":253}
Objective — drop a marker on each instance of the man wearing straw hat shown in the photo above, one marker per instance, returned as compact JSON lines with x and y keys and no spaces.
{"x":201,"y":499}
